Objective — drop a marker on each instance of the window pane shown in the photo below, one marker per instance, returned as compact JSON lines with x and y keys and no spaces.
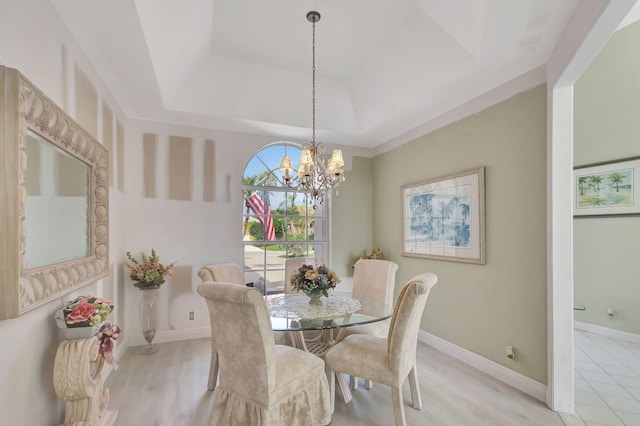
{"x":302,"y":204}
{"x":253,"y":170}
{"x":254,"y":228}
{"x":276,"y":201}
{"x":298,"y":250}
{"x":254,"y":257}
{"x":275,"y":281}
{"x":293,"y":228}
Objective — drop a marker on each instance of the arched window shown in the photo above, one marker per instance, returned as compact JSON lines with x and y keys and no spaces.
{"x":276,"y":223}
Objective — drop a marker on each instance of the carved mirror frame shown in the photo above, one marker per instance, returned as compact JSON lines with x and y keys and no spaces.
{"x":23,"y":107}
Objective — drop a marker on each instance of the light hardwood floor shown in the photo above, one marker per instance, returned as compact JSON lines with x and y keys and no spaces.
{"x":170,"y":388}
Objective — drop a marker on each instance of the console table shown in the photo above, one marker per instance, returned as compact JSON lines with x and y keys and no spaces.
{"x":77,"y":379}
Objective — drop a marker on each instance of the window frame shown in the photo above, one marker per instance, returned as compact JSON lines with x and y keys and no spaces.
{"x":319,"y":246}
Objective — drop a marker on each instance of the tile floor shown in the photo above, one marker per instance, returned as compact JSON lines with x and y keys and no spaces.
{"x":607,"y":381}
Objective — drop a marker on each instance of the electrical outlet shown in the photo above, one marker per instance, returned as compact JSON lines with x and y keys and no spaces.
{"x":191,"y":315}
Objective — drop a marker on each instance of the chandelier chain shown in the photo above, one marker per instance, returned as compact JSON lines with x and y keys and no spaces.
{"x":313,"y":83}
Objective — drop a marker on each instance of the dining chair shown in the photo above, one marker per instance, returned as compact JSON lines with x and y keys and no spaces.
{"x":225,"y":272}
{"x":389,"y":360}
{"x":291,"y":265}
{"x":221,"y":272}
{"x":373,"y":279}
{"x":261,"y":383}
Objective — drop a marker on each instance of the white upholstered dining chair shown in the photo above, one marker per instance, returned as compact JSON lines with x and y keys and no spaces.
{"x":224,"y":272}
{"x":392,"y":359}
{"x":291,"y":265}
{"x":261,"y":383}
{"x":230,"y":273}
{"x":221,"y":272}
{"x":373,"y":279}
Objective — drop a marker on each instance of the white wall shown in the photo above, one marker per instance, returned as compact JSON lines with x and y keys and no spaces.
{"x":193,"y":233}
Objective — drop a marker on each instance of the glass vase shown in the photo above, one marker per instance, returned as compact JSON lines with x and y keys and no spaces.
{"x":149,"y":314}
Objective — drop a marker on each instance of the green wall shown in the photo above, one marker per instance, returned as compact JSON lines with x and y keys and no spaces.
{"x":351,"y":216}
{"x":482,"y":308}
{"x":607,"y":127}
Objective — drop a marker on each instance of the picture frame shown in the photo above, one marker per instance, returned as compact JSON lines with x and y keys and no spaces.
{"x":443,"y":218}
{"x":609,"y":188}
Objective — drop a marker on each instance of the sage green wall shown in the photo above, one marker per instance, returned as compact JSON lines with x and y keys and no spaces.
{"x":482,"y":308}
{"x":607,"y":127}
{"x":351,"y":216}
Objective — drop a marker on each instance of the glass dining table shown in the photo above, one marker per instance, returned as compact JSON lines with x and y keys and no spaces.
{"x":295,"y":314}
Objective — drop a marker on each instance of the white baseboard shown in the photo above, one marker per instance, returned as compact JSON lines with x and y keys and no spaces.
{"x":523,"y":383}
{"x":172,"y":336}
{"x":608,"y":332}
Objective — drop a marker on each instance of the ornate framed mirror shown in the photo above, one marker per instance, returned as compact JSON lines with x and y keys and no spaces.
{"x":54,"y":200}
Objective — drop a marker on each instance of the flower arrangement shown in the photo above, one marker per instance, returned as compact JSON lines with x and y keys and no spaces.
{"x":314,"y":280}
{"x":86,"y":311}
{"x":148,"y":272}
{"x":375,"y":254}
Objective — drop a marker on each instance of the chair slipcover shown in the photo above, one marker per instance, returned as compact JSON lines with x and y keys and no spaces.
{"x":260,"y":383}
{"x":223,"y":272}
{"x":388,"y":360}
{"x":373,"y":279}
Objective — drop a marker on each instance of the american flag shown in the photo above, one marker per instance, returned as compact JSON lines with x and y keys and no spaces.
{"x":263,"y":212}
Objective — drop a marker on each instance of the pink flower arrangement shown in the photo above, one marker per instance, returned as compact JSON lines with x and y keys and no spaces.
{"x":91,"y":311}
{"x":86,"y":311}
{"x":148,"y":272}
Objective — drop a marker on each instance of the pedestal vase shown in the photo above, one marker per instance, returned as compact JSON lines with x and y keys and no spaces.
{"x":149,"y":313}
{"x":315,"y":297}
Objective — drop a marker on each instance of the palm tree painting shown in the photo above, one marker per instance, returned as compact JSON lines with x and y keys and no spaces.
{"x":439,"y":217}
{"x":464,"y":211}
{"x":604,"y":189}
{"x":582,"y":184}
{"x":444,"y":217}
{"x":616,"y":179}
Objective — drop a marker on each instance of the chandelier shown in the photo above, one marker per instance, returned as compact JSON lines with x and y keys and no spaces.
{"x":313,"y":177}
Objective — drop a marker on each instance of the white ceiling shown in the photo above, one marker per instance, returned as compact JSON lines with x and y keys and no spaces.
{"x":383,"y":66}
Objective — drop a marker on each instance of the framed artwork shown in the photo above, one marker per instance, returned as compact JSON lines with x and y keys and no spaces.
{"x":444,"y":218}
{"x":607,"y":189}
